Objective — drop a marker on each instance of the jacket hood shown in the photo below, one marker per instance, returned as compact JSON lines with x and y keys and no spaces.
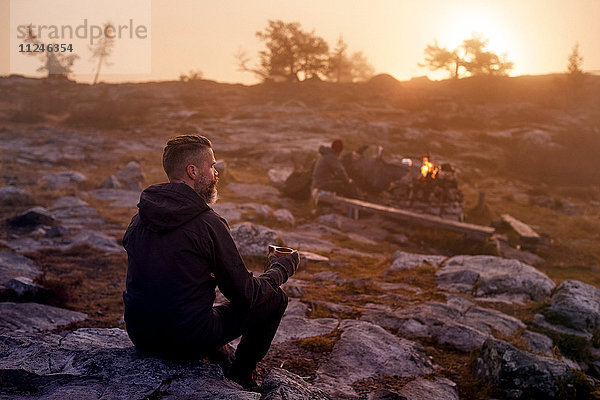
{"x":168,"y":205}
{"x":326,"y":150}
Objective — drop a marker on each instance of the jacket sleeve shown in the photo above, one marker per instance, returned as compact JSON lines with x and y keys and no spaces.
{"x":236,"y":283}
{"x":336,"y":168}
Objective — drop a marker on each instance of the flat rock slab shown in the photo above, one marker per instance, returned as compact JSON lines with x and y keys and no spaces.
{"x":96,"y":240}
{"x":306,"y":241}
{"x":33,"y":317}
{"x":284,"y":385}
{"x":494,"y":278}
{"x":575,"y":305}
{"x":76,"y":213}
{"x":234,"y":212}
{"x":13,"y":195}
{"x":296,"y":327}
{"x":13,"y":265}
{"x":294,"y":288}
{"x":68,"y":202}
{"x":366,"y":350}
{"x":519,"y":374}
{"x":538,"y":343}
{"x":459,"y":324}
{"x":58,"y":180}
{"x":369,"y":227}
{"x":295,"y":324}
{"x":102,"y":364}
{"x":426,"y":389}
{"x":118,"y":197}
{"x":402,"y":260}
{"x":254,"y":191}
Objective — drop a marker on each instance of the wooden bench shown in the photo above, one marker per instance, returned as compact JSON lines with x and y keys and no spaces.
{"x":354,"y":206}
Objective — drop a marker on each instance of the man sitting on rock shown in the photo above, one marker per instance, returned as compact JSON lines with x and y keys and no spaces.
{"x":178,"y":251}
{"x":329,"y":174}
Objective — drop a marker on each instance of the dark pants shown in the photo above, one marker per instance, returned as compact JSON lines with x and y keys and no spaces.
{"x":256,"y":326}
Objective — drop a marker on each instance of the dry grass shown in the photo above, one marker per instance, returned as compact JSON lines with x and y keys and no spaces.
{"x":86,"y":280}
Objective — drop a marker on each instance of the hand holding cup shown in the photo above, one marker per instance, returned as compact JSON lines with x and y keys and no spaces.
{"x":287,"y":257}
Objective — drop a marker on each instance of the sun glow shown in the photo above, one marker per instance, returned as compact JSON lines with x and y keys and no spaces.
{"x":464,"y":24}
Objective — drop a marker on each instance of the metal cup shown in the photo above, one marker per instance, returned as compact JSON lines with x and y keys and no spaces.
{"x":280,"y":251}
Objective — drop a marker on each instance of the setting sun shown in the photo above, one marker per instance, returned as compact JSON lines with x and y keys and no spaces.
{"x":465,"y":23}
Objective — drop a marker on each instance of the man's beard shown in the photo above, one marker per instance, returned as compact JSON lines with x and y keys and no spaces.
{"x":207,"y":190}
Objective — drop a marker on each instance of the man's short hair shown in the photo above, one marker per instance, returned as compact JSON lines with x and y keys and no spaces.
{"x":181,"y":151}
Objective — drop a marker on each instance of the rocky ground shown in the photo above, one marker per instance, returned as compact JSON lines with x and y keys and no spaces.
{"x":378,"y":310}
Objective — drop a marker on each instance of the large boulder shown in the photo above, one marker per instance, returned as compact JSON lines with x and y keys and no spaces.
{"x":253,"y":240}
{"x":14,"y":265}
{"x":494,"y":278}
{"x":13,"y":195}
{"x":33,"y":317}
{"x":365,"y":350}
{"x":459,"y":324}
{"x":31,"y":219}
{"x":59,"y":180}
{"x":575,"y":305}
{"x":73,"y":212}
{"x":131,"y":177}
{"x":518,"y":374}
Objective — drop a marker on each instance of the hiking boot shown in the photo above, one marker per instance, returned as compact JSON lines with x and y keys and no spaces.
{"x":245,"y":378}
{"x":223,"y":356}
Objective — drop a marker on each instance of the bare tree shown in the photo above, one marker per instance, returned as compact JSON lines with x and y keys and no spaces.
{"x":56,"y":64}
{"x":243,"y":63}
{"x":103,"y":49}
{"x":575,"y":74}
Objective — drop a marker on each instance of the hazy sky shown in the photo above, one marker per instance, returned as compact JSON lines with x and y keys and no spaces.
{"x":537,"y":35}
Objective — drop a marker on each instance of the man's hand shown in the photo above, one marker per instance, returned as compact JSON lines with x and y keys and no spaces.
{"x":289,"y":262}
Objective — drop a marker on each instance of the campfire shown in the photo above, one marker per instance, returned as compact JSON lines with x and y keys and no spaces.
{"x":428,"y":170}
{"x":432,"y":191}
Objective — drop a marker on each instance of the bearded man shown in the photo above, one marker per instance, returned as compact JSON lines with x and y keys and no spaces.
{"x":178,"y":251}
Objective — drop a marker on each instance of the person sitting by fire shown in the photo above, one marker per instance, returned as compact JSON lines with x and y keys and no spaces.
{"x":329,"y":174}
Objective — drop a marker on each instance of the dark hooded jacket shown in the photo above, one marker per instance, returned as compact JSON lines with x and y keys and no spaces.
{"x":178,"y":251}
{"x":328,"y":171}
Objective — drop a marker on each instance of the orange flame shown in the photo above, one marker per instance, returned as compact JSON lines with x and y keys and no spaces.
{"x":428,"y":169}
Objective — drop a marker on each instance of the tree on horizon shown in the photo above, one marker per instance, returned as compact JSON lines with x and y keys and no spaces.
{"x":102,"y":50}
{"x":56,"y":64}
{"x":469,"y":59}
{"x":348,"y":68}
{"x":293,"y":55}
